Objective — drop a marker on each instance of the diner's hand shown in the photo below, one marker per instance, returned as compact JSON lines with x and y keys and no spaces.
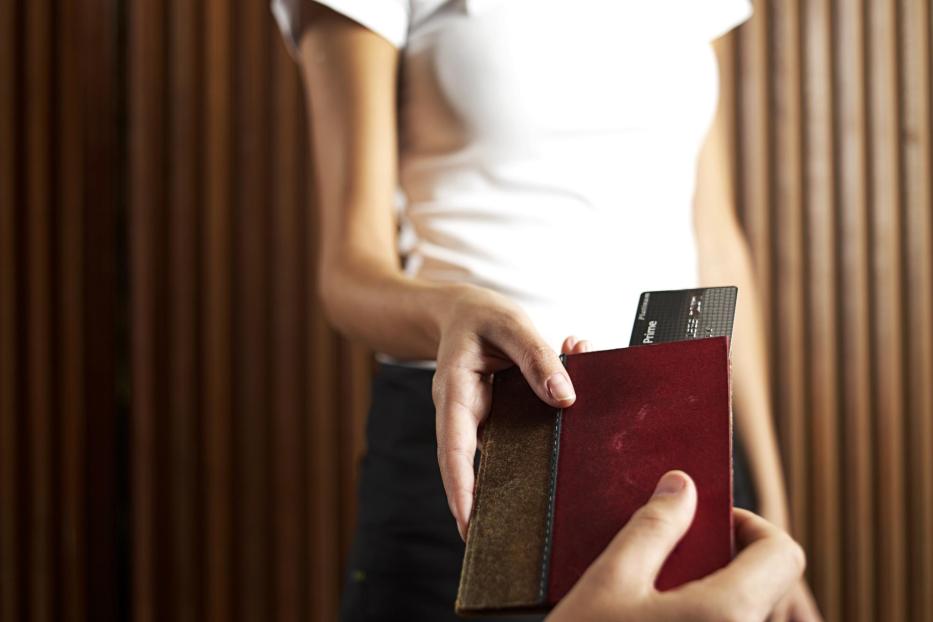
{"x":484,"y":332}
{"x":798,"y":606}
{"x":619,"y":585}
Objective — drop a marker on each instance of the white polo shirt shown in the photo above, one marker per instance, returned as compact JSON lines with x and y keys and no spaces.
{"x":548,"y":148}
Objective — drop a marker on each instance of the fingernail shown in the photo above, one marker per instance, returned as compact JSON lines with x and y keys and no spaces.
{"x":559,"y":387}
{"x":670,"y":484}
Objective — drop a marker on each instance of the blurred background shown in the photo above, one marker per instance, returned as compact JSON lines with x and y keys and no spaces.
{"x":179,"y":429}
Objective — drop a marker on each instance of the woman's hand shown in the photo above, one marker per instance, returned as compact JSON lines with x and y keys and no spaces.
{"x":619,"y":585}
{"x":483,"y":332}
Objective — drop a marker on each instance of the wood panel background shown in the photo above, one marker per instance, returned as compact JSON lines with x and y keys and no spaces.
{"x":60,"y":521}
{"x":179,"y":428}
{"x":833,"y":104}
{"x":242,"y":501}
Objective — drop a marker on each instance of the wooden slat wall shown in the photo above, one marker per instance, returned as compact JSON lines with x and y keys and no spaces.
{"x":247,"y":409}
{"x":59,"y":180}
{"x":10,"y":476}
{"x":915,"y":106}
{"x":833,"y":102}
{"x":180,"y":126}
{"x":821,"y":310}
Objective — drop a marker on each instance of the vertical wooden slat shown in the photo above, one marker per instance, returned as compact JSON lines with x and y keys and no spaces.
{"x":325,"y":548}
{"x":853,"y":319}
{"x":289,"y":325}
{"x":823,"y":404}
{"x":788,"y":258}
{"x":71,"y":234}
{"x":355,"y":363}
{"x":251,"y":311}
{"x":40,"y":281}
{"x":917,"y":227}
{"x":753,"y":146}
{"x":105,"y":578}
{"x":886,"y":299}
{"x":10,"y":473}
{"x":146,"y":199}
{"x":323,"y":449}
{"x":216,"y":315}
{"x":186,"y":75}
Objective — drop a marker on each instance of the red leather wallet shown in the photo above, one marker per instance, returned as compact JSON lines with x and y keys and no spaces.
{"x":555,"y":485}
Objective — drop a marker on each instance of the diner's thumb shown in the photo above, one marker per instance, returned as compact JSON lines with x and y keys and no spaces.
{"x":639,"y":550}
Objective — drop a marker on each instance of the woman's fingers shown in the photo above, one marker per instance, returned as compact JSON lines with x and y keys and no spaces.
{"x":568,"y":345}
{"x":573,"y":345}
{"x":461,"y":398}
{"x":540,"y":365}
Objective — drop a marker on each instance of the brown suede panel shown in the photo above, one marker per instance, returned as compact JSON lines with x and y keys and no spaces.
{"x":502,"y":567}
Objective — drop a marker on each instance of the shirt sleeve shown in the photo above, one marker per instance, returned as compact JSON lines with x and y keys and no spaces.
{"x":387,"y":18}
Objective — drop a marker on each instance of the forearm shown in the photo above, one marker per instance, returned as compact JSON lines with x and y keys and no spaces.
{"x":728,"y":261}
{"x":725,"y":260}
{"x":387,"y":310}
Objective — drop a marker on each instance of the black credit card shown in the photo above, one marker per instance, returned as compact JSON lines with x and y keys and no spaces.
{"x":680,"y":314}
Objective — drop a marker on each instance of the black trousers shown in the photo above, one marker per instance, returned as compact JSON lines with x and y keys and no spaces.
{"x":406,"y":555}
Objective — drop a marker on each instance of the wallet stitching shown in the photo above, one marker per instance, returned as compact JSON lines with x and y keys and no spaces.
{"x":552,"y":490}
{"x":548,"y":527}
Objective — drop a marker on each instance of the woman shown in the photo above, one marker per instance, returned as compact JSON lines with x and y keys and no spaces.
{"x":556,"y":159}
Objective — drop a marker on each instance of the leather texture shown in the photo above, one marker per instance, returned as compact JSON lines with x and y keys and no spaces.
{"x":640,"y":412}
{"x":506,"y":547}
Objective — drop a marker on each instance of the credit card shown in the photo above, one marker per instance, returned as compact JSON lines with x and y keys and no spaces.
{"x":676,"y":315}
